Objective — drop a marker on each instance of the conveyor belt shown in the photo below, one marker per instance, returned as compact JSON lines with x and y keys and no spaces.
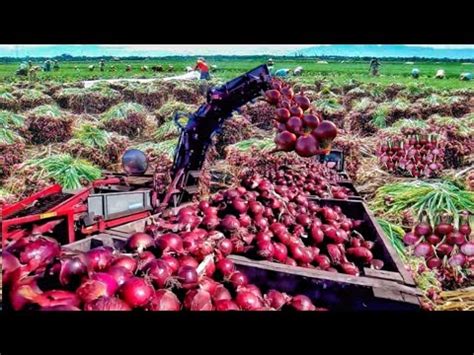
{"x":42,"y":205}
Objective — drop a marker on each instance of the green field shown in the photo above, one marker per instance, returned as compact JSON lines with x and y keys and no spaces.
{"x":336,"y":72}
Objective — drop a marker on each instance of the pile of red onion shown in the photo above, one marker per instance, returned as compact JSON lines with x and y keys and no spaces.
{"x":164,"y":275}
{"x":414,"y":156}
{"x":300,"y":128}
{"x":445,"y":248}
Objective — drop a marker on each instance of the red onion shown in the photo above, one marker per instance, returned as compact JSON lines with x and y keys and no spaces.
{"x":291,"y":262}
{"x":10,"y":264}
{"x":302,"y":303}
{"x":107,"y":304}
{"x":127,"y":262}
{"x":273,"y":96}
{"x":221,"y":293}
{"x":377,"y":264}
{"x":434,"y":263}
{"x":198,"y":300}
{"x":120,"y":274}
{"x":287,"y":92}
{"x":280,"y":252}
{"x":464,"y":227}
{"x":136,"y":292}
{"x":40,"y":251}
{"x":457,"y":260}
{"x":248,"y":301}
{"x":306,"y":146}
{"x":225,"y":246}
{"x":190,"y":244}
{"x":423,"y":249}
{"x":164,"y":300}
{"x":433,"y":239}
{"x":98,"y":259}
{"x":203,"y":205}
{"x":325,"y":133}
{"x":245,"y":220}
{"x":229,"y":223}
{"x":239,"y":205}
{"x":444,"y":249}
{"x":238,"y":279}
{"x":159,"y":272}
{"x":455,"y":237}
{"x":468,"y":249}
{"x":187,"y":276}
{"x":285,"y":141}
{"x":226,"y":305}
{"x":210,"y":222}
{"x":323,"y":261}
{"x":422,"y":229}
{"x":23,"y":292}
{"x":444,"y":227}
{"x":172,"y":262}
{"x":410,"y":238}
{"x":296,"y":111}
{"x":170,"y":242}
{"x":226,"y":267}
{"x":276,"y":299}
{"x":144,"y":258}
{"x":91,"y":290}
{"x":208,"y":284}
{"x":265,"y":249}
{"x":310,"y":121}
{"x":303,"y":219}
{"x":350,"y":269}
{"x":139,"y":242}
{"x":255,"y":208}
{"x":316,"y":234}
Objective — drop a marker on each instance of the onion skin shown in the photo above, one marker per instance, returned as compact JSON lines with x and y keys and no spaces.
{"x":198,"y":300}
{"x":164,"y":300}
{"x":302,"y":303}
{"x":107,"y":304}
{"x":226,"y":305}
{"x":139,"y":242}
{"x":248,"y":301}
{"x":125,"y":261}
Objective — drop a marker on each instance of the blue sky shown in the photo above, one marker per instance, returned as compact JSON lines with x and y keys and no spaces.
{"x":161,"y":50}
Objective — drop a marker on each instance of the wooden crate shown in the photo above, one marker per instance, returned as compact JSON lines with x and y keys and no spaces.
{"x":335,"y":291}
{"x":394,"y":269}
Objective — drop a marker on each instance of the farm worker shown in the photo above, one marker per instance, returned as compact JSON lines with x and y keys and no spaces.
{"x":282,"y":72}
{"x":374,"y":66}
{"x":47,"y":65}
{"x":466,"y":76}
{"x":102,"y":65}
{"x":203,"y":68}
{"x":440,"y":74}
{"x":270,"y":66}
{"x":415,"y":73}
{"x":298,"y":71}
{"x":22,"y":70}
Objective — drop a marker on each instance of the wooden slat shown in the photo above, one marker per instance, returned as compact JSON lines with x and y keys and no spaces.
{"x":382,"y":274}
{"x":405,"y":274}
{"x":320,"y":274}
{"x":388,"y":294}
{"x":410,"y":298}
